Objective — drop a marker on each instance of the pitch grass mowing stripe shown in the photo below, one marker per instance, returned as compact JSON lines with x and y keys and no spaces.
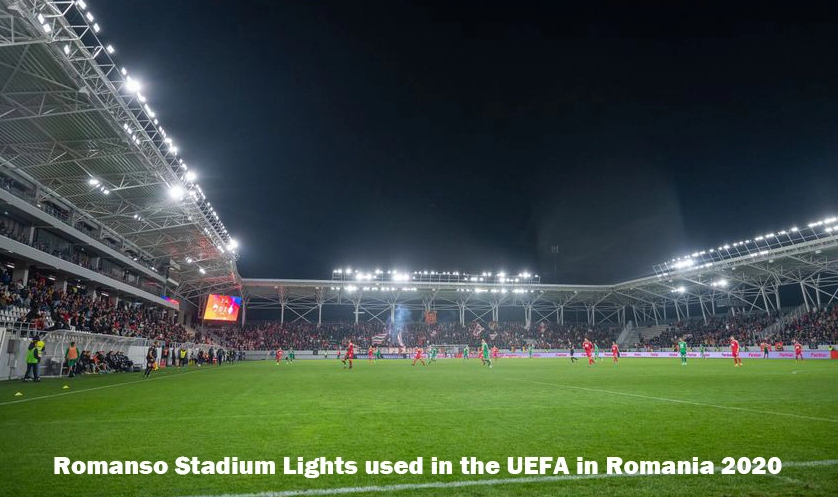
{"x":471,"y":483}
{"x":678,"y":401}
{"x":144,"y":380}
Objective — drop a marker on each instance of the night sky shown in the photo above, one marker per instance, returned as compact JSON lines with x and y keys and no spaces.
{"x":474,"y":137}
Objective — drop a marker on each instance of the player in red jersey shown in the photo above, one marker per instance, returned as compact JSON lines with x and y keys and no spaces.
{"x":370,"y":352}
{"x":734,"y":350}
{"x":615,"y":352}
{"x":798,"y":351}
{"x":349,"y":354}
{"x":494,"y":352}
{"x":279,"y":353}
{"x":589,"y":349}
{"x":418,"y":356}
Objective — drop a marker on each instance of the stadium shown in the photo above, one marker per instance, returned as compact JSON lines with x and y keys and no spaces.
{"x":157,"y":369}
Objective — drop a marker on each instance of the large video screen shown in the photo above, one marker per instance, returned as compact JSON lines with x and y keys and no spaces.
{"x":222,"y":307}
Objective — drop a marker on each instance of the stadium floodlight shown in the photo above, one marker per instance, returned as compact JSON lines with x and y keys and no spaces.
{"x":46,"y":28}
{"x":81,"y":4}
{"x":132,"y":85}
{"x":93,"y":182}
{"x":202,"y":270}
{"x":175,"y":192}
{"x":41,"y":19}
{"x":96,"y":29}
{"x":684,"y":264}
{"x":191,"y":176}
{"x":66,"y":49}
{"x":106,"y":191}
{"x":233,"y":244}
{"x":189,"y":260}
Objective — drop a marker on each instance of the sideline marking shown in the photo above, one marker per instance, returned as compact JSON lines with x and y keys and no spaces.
{"x":470,"y":483}
{"x":678,"y":401}
{"x":145,"y":380}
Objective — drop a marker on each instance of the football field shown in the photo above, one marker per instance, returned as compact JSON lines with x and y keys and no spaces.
{"x":642,"y":409}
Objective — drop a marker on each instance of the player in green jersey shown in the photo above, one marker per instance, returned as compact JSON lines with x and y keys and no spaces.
{"x":596,"y":351}
{"x":529,"y":351}
{"x":487,"y":358}
{"x":703,"y":349}
{"x":465,"y":353}
{"x":434,"y":352}
{"x":682,"y":349}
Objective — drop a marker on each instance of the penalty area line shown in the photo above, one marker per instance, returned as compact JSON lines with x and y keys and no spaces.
{"x":61,"y":394}
{"x":679,"y":401}
{"x":469,"y":483}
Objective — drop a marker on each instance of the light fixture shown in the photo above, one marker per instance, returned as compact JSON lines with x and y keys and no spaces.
{"x":176,"y":192}
{"x":132,"y":84}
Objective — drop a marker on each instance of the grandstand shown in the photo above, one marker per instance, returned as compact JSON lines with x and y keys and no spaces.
{"x":755,"y":275}
{"x":99,"y":210}
{"x":97,"y":198}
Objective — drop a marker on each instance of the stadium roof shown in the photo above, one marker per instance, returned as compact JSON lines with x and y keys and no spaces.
{"x":77,"y":125}
{"x":750,"y":278}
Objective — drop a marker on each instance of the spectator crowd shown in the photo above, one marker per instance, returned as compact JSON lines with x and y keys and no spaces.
{"x":270,"y":335}
{"x":817,"y":327}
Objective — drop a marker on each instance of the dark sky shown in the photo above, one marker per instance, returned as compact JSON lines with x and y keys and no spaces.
{"x":474,"y":137}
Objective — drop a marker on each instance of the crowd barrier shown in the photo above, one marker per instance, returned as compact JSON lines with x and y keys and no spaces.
{"x":824,"y":353}
{"x":807,"y":354}
{"x":14,"y":342}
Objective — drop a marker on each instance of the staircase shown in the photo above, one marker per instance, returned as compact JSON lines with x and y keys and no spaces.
{"x":784,"y":320}
{"x":651,"y":332}
{"x":630,"y":336}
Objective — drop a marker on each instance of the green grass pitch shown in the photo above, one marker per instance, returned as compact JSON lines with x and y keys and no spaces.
{"x":643,"y":409}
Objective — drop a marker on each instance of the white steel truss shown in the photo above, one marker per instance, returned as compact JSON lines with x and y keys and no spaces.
{"x":746,"y":283}
{"x":70,"y":117}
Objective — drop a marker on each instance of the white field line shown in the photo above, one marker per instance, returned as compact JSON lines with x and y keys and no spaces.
{"x":145,"y":380}
{"x":679,"y":401}
{"x":469,"y":483}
